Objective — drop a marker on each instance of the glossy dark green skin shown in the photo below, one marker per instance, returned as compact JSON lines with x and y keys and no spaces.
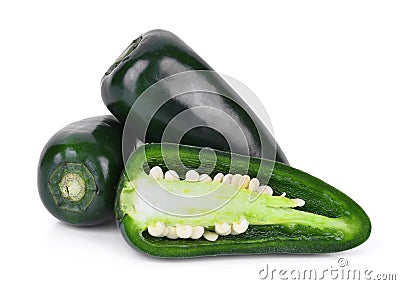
{"x":95,"y":143}
{"x":159,"y":54}
{"x":320,"y":197}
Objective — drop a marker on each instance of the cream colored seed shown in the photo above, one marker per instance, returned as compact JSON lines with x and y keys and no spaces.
{"x":156,"y":172}
{"x":246,"y":181}
{"x":198,"y":232}
{"x":299,"y":202}
{"x":223,"y":229}
{"x":172,"y":233}
{"x":218,"y":178}
{"x":192,"y":175}
{"x":254,"y":184}
{"x":165,"y":232}
{"x":240,"y":227}
{"x":205,"y":178}
{"x":210,"y":236}
{"x":227,"y":178}
{"x":184,"y":231}
{"x":171,"y":175}
{"x":265,"y":189}
{"x":236,"y":179}
{"x":261,"y":189}
{"x":233,"y":232}
{"x":156,"y":229}
{"x":241,"y":182}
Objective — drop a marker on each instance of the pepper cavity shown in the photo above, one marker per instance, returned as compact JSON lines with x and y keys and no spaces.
{"x":222,"y":228}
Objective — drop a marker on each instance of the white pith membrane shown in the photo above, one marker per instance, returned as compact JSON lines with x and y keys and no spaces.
{"x":223,"y":228}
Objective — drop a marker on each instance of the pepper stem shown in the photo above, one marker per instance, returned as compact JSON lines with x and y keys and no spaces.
{"x":72,"y":187}
{"x":124,"y":54}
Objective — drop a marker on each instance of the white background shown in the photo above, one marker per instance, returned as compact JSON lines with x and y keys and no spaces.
{"x":327,"y":72}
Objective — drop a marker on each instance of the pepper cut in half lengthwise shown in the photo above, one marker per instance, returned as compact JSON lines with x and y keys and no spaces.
{"x":292,"y":212}
{"x":79,"y":169}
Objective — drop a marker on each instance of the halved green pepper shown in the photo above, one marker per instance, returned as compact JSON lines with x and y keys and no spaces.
{"x":292,"y":212}
{"x":217,"y":113}
{"x":79,"y":169}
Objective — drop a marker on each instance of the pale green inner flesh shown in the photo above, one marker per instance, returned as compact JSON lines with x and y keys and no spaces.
{"x":264,"y":210}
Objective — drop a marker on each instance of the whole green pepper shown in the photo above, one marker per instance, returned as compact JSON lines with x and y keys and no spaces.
{"x":293,"y":212}
{"x":224,"y":120}
{"x":79,"y":169}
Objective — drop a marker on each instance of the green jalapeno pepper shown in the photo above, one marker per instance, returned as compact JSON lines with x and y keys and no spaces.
{"x":79,"y":169}
{"x":217,"y":112}
{"x":292,"y":211}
